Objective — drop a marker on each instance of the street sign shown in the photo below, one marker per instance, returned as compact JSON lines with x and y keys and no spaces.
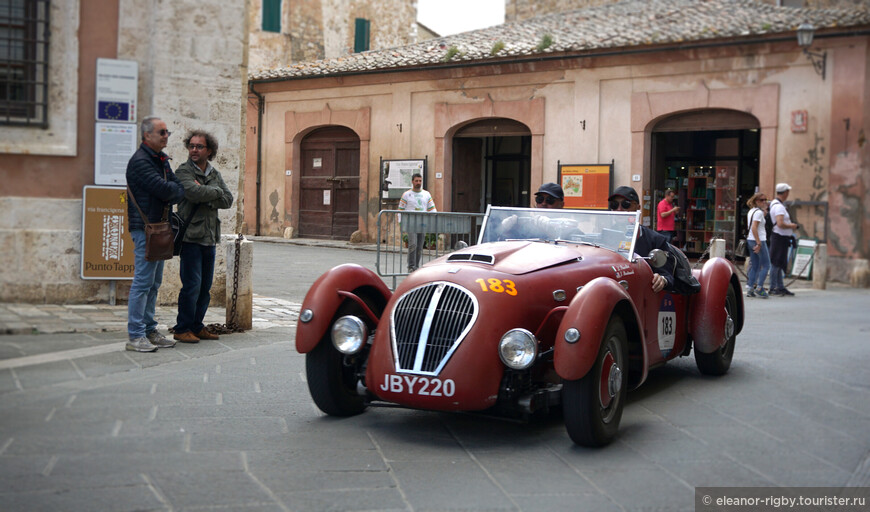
{"x":107,"y":249}
{"x":802,"y":266}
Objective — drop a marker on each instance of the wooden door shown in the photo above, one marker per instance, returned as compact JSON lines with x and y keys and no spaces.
{"x":329,"y":184}
{"x":467,"y":172}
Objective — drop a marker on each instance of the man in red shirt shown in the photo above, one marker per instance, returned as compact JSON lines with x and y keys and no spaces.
{"x":666,"y":213}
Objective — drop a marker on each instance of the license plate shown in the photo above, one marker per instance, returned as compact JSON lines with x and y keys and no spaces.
{"x":417,"y":385}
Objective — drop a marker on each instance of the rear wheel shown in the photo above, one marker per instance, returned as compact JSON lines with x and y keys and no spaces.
{"x":719,"y":361}
{"x":332,"y":376}
{"x":592,"y":406}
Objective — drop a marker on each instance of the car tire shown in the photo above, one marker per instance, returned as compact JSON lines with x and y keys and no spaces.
{"x":331,"y":382}
{"x":588,"y":420}
{"x":719,"y":361}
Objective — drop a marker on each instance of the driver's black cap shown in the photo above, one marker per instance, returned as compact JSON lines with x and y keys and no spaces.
{"x":626,"y":192}
{"x":551,"y":189}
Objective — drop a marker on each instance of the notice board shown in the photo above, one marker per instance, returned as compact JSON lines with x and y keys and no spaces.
{"x":586,"y":186}
{"x":107,"y":249}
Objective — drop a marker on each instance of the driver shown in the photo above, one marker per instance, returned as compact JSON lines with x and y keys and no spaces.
{"x":624,"y":199}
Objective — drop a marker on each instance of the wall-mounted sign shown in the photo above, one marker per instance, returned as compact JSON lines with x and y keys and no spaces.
{"x":586,"y":186}
{"x":117,"y":89}
{"x":317,"y":163}
{"x":798,"y":121}
{"x":107,"y":249}
{"x":114,"y":144}
{"x":396,"y":176}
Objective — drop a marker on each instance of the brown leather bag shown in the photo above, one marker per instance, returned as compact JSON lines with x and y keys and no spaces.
{"x":159,"y":237}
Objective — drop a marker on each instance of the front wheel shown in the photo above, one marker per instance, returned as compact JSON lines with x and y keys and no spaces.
{"x":719,"y":361}
{"x":592,"y":406}
{"x":332,"y":379}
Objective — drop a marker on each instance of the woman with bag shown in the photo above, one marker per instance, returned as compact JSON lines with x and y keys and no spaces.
{"x":756,"y":241}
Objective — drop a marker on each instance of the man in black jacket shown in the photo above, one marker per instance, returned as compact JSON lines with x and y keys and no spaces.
{"x":154,"y":188}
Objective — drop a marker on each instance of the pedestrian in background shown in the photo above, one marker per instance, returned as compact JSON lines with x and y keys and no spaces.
{"x":780,"y":240}
{"x":417,"y":200}
{"x":204,"y":194}
{"x":155,"y":188}
{"x":756,"y":240}
{"x":666,"y":214}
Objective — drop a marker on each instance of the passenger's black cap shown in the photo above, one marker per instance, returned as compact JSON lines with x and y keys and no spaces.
{"x":626,"y":192}
{"x":551,"y":189}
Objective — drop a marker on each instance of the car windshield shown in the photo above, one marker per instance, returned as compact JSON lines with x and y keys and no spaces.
{"x":612,"y":230}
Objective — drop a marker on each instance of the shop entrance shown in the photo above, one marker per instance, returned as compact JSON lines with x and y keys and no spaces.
{"x":710,"y":158}
{"x":491,"y":165}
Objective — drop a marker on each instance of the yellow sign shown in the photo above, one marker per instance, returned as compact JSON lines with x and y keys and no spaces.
{"x":585,"y":186}
{"x":107,"y":249}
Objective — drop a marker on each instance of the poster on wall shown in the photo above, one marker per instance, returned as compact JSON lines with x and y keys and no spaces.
{"x":117,"y":90}
{"x":586,"y":186}
{"x":396,"y":176}
{"x":107,"y":249}
{"x":114,"y":144}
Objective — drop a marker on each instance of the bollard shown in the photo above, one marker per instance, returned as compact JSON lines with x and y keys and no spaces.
{"x":820,"y":267}
{"x":244,"y":293}
{"x":717,"y":248}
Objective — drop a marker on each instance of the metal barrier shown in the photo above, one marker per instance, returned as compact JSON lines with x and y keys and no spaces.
{"x":435,"y":233}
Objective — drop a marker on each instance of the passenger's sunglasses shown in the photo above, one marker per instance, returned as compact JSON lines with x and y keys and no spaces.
{"x":164,"y":132}
{"x":549,"y":199}
{"x":625,"y":203}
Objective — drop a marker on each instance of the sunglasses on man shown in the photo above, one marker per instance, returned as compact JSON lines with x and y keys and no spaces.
{"x":625,"y":203}
{"x":164,"y":133}
{"x":549,"y":199}
{"x":199,"y":147}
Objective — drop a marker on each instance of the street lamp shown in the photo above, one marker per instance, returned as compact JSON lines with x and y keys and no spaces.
{"x":805,"y":40}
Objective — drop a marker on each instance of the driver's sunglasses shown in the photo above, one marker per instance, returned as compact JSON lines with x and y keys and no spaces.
{"x":625,"y":203}
{"x":549,"y":199}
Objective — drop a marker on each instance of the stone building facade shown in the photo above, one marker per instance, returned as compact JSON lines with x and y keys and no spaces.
{"x":310,"y":30}
{"x":192,"y":73}
{"x":658,"y":89}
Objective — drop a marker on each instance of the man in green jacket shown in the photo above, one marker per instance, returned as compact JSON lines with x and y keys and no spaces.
{"x":204,"y":193}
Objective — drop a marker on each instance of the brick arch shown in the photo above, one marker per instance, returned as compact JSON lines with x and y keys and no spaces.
{"x":451,"y":117}
{"x":297,"y":125}
{"x":650,"y":108}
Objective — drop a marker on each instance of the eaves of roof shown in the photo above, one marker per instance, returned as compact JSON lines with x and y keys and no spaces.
{"x":632,"y":26}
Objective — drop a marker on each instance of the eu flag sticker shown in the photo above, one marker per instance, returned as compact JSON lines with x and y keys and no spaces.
{"x":113,"y":111}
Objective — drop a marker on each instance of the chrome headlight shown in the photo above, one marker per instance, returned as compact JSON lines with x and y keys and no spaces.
{"x":349,"y":334}
{"x":518,"y":349}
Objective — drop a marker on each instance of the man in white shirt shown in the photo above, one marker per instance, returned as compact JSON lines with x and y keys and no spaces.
{"x":416,"y":200}
{"x":780,"y":240}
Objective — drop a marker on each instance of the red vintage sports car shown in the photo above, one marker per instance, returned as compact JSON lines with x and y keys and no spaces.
{"x":551,"y":308}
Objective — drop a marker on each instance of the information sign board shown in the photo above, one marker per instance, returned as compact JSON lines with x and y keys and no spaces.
{"x":107,"y":249}
{"x":586,"y":186}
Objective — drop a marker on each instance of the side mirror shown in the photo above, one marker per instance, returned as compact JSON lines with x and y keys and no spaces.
{"x":657,"y":258}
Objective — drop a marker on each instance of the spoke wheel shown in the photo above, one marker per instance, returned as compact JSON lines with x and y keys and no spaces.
{"x":719,"y":361}
{"x":592,"y":406}
{"x":332,"y":380}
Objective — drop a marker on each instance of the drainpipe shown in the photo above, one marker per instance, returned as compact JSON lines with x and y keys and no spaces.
{"x":261,"y":102}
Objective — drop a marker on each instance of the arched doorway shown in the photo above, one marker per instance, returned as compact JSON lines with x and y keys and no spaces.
{"x":329,"y":184}
{"x":491,"y":165}
{"x":710,"y":158}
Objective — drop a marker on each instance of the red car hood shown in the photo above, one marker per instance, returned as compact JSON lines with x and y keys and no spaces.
{"x":515,"y":258}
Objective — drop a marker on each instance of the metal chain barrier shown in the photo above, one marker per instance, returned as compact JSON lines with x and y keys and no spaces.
{"x":232,"y":326}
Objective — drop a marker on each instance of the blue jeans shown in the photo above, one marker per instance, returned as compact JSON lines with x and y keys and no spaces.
{"x":759,"y":264}
{"x":197,"y":274}
{"x":147,"y":277}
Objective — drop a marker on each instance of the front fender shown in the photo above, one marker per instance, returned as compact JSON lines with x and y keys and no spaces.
{"x":328,"y":293}
{"x":707,"y":320}
{"x":589,"y":313}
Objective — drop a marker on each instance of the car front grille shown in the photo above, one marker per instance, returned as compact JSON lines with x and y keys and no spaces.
{"x":427,"y":325}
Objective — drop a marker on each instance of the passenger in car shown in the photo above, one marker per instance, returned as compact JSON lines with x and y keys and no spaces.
{"x":625,"y":199}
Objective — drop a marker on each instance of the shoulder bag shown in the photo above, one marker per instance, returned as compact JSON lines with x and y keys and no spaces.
{"x":179,"y":226}
{"x":159,"y":237}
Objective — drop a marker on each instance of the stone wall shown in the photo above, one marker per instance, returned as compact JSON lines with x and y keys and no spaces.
{"x":320,"y":29}
{"x":193,"y":74}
